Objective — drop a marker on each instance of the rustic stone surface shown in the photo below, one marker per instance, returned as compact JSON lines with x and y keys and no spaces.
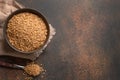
{"x":86,"y":46}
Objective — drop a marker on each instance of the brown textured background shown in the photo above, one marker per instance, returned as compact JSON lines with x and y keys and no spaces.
{"x":86,"y":46}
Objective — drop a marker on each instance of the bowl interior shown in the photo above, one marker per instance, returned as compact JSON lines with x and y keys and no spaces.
{"x":30,"y":11}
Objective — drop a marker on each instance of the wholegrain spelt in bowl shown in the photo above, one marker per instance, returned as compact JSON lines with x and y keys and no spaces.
{"x":26,"y":30}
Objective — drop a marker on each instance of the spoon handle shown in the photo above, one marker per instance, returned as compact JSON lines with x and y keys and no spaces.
{"x":6,"y":64}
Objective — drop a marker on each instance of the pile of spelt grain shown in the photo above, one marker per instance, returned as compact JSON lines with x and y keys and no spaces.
{"x":33,"y":69}
{"x":26,"y":31}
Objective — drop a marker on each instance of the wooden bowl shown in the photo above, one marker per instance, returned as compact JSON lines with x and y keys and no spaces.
{"x":21,"y":11}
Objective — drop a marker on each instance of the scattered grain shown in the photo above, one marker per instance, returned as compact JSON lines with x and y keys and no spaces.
{"x":28,"y":78}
